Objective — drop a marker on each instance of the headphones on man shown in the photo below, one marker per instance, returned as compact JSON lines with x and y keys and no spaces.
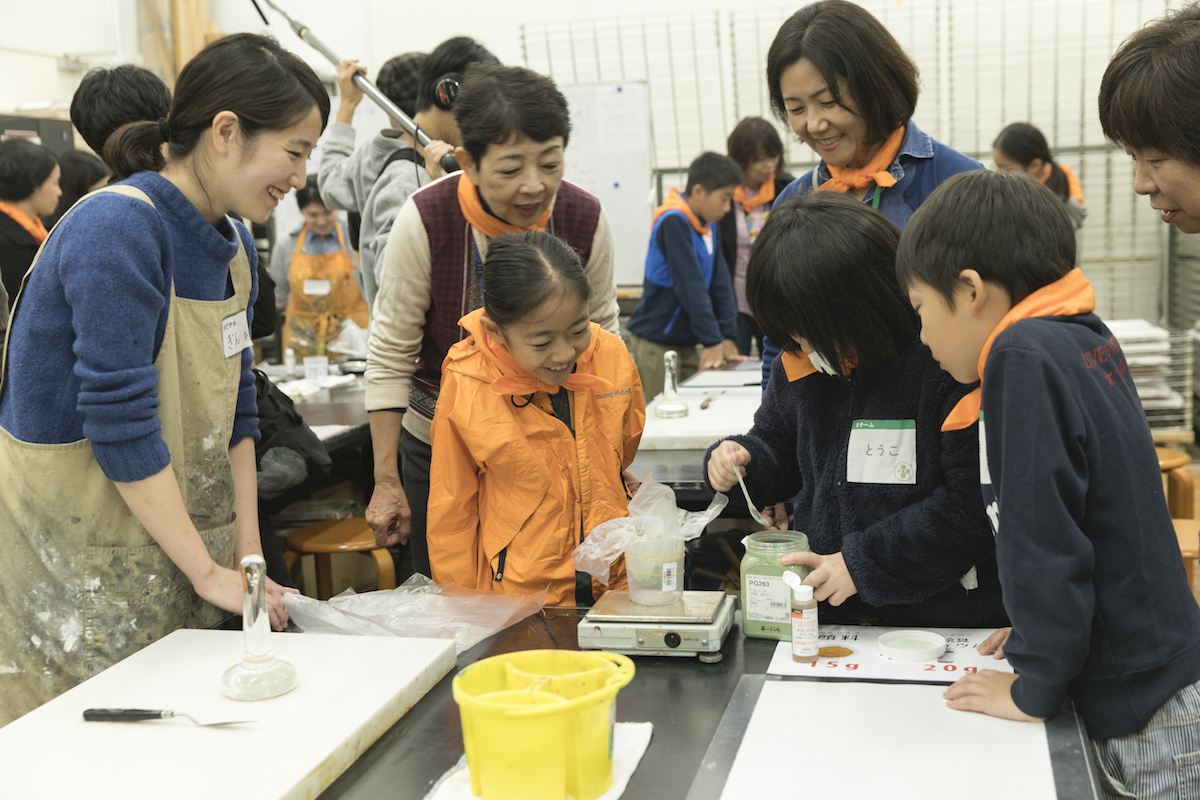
{"x":445,"y":91}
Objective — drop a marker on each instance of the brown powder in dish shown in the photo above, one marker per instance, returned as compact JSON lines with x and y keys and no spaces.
{"x":835,"y":652}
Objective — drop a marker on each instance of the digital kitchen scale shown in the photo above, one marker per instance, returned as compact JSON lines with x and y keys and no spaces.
{"x":695,"y":625}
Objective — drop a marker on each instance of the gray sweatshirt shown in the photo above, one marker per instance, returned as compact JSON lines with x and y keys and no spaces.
{"x":347,"y":179}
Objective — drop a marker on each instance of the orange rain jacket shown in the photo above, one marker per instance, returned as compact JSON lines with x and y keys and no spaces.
{"x":507,"y":475}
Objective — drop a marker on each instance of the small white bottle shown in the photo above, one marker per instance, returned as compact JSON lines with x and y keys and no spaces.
{"x":805,"y":644}
{"x":289,"y":362}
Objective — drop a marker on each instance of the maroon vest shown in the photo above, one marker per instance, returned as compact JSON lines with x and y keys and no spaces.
{"x":454,"y":278}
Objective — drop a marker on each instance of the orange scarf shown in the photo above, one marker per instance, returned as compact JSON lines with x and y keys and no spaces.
{"x":487,"y":224}
{"x":1066,"y":297}
{"x":517,"y":381}
{"x":35,"y":227}
{"x":797,"y":365}
{"x":675,"y":202}
{"x":766,"y":193}
{"x":1074,"y":190}
{"x":843,"y":179}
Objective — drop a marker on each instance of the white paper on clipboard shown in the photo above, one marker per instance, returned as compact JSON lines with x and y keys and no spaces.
{"x":864,"y":663}
{"x":814,"y":739}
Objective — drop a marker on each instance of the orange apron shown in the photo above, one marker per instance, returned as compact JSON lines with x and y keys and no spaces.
{"x":315,"y":316}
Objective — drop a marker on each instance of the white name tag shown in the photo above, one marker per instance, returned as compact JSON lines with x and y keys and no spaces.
{"x":882,"y":451}
{"x":317,"y":288}
{"x":235,"y":333}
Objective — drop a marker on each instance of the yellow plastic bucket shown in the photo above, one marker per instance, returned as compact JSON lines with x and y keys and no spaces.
{"x":529,"y":749}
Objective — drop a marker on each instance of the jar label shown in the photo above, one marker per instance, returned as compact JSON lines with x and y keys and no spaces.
{"x":767,"y":599}
{"x":669,"y":579}
{"x":882,"y":451}
{"x":804,"y":632}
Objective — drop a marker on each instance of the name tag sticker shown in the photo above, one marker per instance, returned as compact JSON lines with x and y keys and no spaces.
{"x":882,"y":451}
{"x":317,"y":288}
{"x":235,"y":333}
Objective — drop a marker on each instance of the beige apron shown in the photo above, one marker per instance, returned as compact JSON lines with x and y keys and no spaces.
{"x":82,"y":584}
{"x":312,"y":320}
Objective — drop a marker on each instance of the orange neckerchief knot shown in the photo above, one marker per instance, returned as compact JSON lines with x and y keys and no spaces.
{"x":31,"y":224}
{"x":797,"y":365}
{"x":765,"y":194}
{"x":843,"y":179}
{"x":675,"y":202}
{"x":516,"y":380}
{"x":1069,"y":295}
{"x":487,"y":224}
{"x":1074,"y":190}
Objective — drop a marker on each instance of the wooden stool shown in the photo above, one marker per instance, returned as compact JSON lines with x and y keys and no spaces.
{"x":338,"y":536}
{"x":1177,"y":482}
{"x":1187,"y":531}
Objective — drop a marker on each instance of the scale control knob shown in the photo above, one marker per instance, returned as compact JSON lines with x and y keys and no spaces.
{"x":672,"y":639}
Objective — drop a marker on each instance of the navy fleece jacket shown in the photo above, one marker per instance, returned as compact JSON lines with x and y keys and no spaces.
{"x":84,"y":340}
{"x":906,"y":545}
{"x":1089,"y":562}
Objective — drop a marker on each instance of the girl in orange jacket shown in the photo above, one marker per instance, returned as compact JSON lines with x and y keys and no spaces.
{"x":539,"y":416}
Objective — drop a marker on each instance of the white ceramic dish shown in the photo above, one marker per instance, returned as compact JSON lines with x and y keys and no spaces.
{"x":912,"y":645}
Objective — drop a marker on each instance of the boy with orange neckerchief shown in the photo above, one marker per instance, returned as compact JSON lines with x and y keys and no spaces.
{"x":1089,"y":564}
{"x":687,"y":296}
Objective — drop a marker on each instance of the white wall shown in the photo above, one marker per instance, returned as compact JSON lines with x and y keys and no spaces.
{"x":371,"y":30}
{"x":36,"y":34}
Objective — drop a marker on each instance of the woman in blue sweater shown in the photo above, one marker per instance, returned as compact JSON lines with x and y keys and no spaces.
{"x":848,"y":90}
{"x":850,"y":426}
{"x":127,"y":402}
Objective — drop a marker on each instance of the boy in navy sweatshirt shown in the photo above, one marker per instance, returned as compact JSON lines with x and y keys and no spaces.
{"x":687,"y":296}
{"x":1089,"y":564}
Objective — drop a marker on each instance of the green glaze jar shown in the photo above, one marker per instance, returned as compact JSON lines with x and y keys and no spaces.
{"x":766,"y":599}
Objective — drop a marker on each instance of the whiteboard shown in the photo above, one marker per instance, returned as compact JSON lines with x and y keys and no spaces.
{"x":609,"y":155}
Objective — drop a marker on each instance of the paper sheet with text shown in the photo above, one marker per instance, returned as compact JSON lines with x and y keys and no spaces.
{"x":852,"y":653}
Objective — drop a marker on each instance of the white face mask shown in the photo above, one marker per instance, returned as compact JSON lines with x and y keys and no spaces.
{"x":821,"y":364}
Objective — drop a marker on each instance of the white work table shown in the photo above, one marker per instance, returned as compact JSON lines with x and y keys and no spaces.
{"x":672,"y":450}
{"x":352,"y":689}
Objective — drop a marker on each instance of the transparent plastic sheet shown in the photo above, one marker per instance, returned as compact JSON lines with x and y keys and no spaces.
{"x":653,"y":515}
{"x":350,"y":341}
{"x":419,"y":608}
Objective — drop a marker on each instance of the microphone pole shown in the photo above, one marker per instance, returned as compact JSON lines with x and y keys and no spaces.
{"x":449,"y":162}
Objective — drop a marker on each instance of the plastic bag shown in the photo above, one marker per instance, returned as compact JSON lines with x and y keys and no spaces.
{"x":350,"y":341}
{"x":419,"y":608}
{"x":653,"y":515}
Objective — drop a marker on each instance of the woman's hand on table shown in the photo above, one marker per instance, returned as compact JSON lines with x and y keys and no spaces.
{"x":829,"y":578}
{"x":988,"y":692}
{"x":727,"y":462}
{"x":223,"y":588}
{"x":778,"y":517}
{"x":389,"y":515}
{"x":994,"y":644}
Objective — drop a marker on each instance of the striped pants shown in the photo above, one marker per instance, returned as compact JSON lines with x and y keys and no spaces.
{"x":1161,"y":761}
